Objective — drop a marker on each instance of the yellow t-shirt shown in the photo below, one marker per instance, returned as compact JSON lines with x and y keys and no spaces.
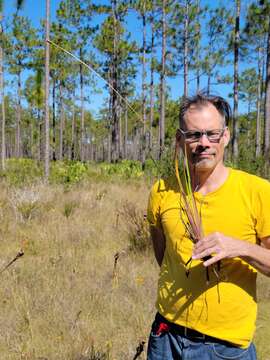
{"x":227,"y":308}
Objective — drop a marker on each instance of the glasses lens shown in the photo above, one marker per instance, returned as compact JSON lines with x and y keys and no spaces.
{"x":214,"y":135}
{"x":193,"y":135}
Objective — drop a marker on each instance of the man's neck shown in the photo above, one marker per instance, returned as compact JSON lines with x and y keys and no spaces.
{"x":209,"y":181}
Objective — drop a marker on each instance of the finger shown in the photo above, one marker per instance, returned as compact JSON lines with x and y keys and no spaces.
{"x":204,"y":244}
{"x":206,"y":252}
{"x":213,"y":260}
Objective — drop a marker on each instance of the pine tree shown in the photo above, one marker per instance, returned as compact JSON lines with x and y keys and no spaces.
{"x":118,"y":53}
{"x":18,"y":57}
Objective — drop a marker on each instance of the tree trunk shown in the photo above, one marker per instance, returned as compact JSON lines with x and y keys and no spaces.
{"x":3,"y":122}
{"x":47,"y":94}
{"x":114,"y":80}
{"x":120,"y":134}
{"x":54,"y":122}
{"x":73,"y":126}
{"x":40,"y":137}
{"x":208,"y":83}
{"x":258,"y":112}
{"x":236,"y":82}
{"x":162,"y":83}
{"x":61,"y":130}
{"x":197,"y":47}
{"x":126,"y":133}
{"x":18,"y":119}
{"x":267,"y":101}
{"x":109,"y":147}
{"x":143,"y":149}
{"x":31,"y":131}
{"x":152,"y":85}
{"x":186,"y":49}
{"x":82,"y":137}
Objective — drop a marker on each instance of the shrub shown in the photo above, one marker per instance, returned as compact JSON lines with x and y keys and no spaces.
{"x":22,"y":171}
{"x":137,"y":227}
{"x":127,"y":169}
{"x":67,"y":172}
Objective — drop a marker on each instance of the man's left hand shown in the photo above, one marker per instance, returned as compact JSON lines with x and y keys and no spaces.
{"x":219,"y":247}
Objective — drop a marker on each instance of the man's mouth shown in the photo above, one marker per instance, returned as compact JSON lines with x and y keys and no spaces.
{"x":202,"y":154}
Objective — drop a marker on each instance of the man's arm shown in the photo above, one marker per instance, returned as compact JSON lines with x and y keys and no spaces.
{"x":221,"y":247}
{"x":159,"y":243}
{"x":259,"y":256}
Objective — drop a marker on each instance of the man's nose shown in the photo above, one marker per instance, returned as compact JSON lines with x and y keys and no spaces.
{"x":204,"y":141}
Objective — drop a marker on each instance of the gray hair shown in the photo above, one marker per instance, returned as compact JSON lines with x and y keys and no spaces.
{"x":203,"y":99}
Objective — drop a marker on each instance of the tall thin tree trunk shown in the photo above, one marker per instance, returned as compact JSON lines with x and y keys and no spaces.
{"x":18,"y":119}
{"x":197,"y":46}
{"x":47,"y":93}
{"x":31,"y":135}
{"x":162,"y":82}
{"x":120,"y":134}
{"x":126,"y":133}
{"x":114,"y":78}
{"x":82,"y":137}
{"x":267,"y":102}
{"x":54,"y":122}
{"x":40,"y":137}
{"x":186,"y":22}
{"x":236,"y":82}
{"x":198,"y":80}
{"x":258,"y":112}
{"x":143,"y":85}
{"x":61,"y":130}
{"x":208,"y":83}
{"x":3,"y":122}
{"x":152,"y":85}
{"x":109,"y":147}
{"x":73,"y":125}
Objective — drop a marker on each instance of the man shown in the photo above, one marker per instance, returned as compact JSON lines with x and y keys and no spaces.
{"x":212,"y":318}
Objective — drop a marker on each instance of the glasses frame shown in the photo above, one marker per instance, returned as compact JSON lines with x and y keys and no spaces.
{"x":203,"y":132}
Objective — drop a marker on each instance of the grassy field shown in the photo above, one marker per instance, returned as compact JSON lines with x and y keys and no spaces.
{"x":80,"y":291}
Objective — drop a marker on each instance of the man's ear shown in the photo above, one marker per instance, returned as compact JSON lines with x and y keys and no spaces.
{"x":227,"y":136}
{"x":179,"y":141}
{"x":178,"y":136}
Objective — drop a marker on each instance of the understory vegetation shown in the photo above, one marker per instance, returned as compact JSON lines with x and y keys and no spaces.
{"x":85,"y":287}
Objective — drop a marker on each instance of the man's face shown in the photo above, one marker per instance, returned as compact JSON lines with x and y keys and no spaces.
{"x":204,"y":154}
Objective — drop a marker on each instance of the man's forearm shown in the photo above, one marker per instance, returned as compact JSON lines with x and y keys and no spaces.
{"x":258,"y":257}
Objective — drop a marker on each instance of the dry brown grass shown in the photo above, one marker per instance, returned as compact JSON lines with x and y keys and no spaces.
{"x":63,"y":300}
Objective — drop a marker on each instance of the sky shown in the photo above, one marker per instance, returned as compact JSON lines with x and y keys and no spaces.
{"x":35,"y":11}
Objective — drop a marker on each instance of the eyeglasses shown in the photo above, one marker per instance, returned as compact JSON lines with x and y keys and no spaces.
{"x":195,"y":135}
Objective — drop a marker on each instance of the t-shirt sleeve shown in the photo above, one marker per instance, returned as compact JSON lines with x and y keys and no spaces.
{"x":154,"y":204}
{"x":262,"y":205}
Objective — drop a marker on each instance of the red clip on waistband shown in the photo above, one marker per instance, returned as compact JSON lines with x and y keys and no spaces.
{"x":163,"y":327}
